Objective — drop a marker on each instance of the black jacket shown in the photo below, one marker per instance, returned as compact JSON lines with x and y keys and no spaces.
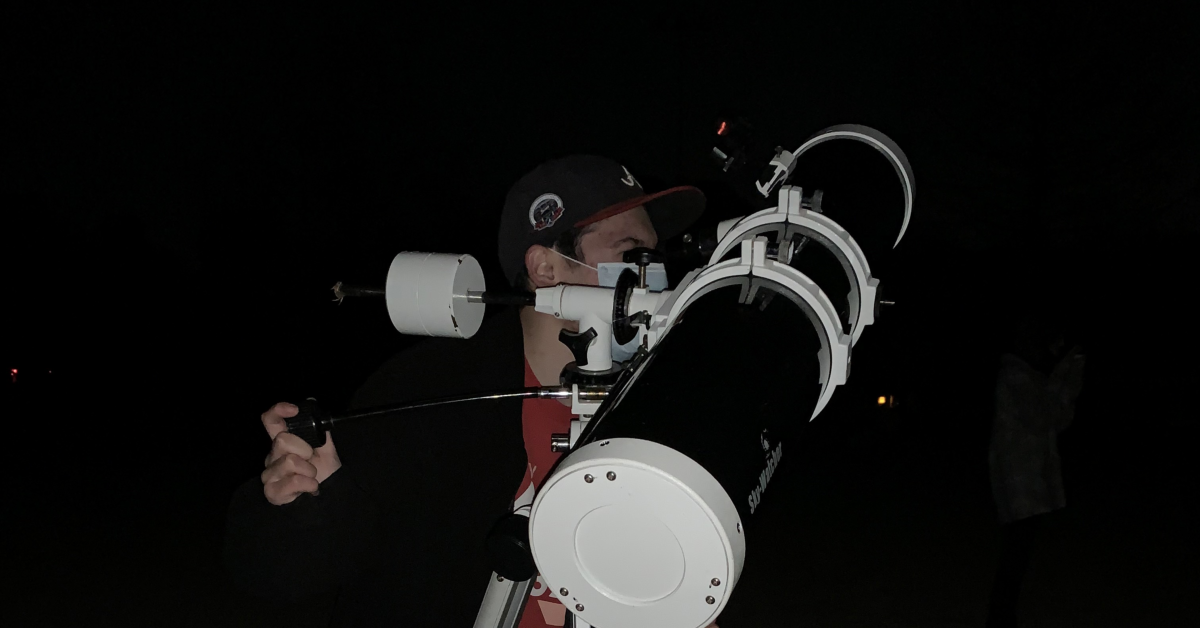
{"x":396,"y":535}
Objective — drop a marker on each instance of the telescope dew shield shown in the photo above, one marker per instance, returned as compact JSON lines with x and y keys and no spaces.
{"x":427,"y":293}
{"x":650,"y":521}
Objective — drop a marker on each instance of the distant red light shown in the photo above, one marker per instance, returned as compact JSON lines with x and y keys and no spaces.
{"x":14,"y":375}
{"x":721,"y":130}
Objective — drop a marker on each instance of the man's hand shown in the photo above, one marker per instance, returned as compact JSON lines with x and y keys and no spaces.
{"x":293,"y":467}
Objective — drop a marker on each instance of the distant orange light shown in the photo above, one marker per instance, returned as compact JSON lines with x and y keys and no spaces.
{"x":882,"y":400}
{"x":721,"y":131}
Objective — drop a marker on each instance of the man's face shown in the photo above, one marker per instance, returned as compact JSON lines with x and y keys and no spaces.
{"x":607,"y":241}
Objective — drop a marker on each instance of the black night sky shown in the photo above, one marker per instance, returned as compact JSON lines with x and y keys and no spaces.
{"x":184,"y":182}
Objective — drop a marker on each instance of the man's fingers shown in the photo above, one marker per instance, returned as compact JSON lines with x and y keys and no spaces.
{"x":286,"y":489}
{"x":275,"y":419}
{"x":285,"y":444}
{"x":327,"y":449}
{"x":300,"y":466}
{"x":287,"y":465}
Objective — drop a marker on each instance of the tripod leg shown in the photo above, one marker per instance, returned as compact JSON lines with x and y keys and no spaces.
{"x":503,"y":603}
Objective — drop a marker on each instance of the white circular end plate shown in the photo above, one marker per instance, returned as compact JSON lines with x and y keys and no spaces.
{"x":641,"y":549}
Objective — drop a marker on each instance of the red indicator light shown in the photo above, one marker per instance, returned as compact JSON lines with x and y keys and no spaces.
{"x":721,"y":130}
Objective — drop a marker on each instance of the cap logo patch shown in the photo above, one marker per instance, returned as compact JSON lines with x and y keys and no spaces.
{"x":545,"y":211}
{"x":629,"y":180}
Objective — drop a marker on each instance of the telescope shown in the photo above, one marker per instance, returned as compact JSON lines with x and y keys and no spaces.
{"x":649,"y":516}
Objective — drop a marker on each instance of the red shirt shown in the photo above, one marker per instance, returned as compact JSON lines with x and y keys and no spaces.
{"x":539,"y":419}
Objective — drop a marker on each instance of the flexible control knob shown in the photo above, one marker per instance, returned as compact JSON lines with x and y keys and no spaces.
{"x":310,"y":423}
{"x":578,"y":343}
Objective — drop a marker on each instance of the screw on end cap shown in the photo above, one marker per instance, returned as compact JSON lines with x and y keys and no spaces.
{"x":309,"y":423}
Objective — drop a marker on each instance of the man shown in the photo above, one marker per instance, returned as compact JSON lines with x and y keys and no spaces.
{"x":388,"y":524}
{"x":1036,"y":390}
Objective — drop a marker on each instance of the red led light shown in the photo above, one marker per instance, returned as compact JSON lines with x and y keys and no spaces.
{"x":721,"y":131}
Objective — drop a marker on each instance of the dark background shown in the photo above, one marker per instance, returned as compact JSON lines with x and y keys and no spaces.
{"x":184,"y":182}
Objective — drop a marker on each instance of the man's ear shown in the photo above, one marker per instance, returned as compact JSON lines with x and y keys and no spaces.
{"x":539,"y":264}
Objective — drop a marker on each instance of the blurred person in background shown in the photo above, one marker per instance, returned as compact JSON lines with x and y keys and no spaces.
{"x":1039,"y":381}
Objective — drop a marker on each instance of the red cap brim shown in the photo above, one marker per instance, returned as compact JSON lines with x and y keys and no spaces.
{"x":669,"y":218}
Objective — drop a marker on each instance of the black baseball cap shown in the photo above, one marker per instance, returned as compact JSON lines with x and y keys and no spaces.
{"x":576,"y":191}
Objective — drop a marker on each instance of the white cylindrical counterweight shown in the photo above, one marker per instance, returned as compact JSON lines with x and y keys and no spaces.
{"x":427,"y":294}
